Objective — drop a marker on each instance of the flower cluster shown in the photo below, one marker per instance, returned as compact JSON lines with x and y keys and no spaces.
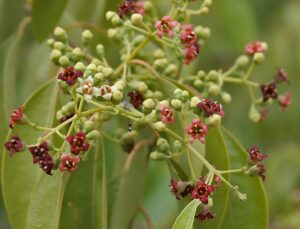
{"x":129,"y":6}
{"x":42,"y":157}
{"x":255,"y":158}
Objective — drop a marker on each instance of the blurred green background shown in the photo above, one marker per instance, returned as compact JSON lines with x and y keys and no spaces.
{"x":24,"y":64}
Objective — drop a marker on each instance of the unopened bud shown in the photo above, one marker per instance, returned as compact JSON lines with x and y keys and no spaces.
{"x":64,"y":61}
{"x":226,"y":97}
{"x":258,"y":58}
{"x":88,"y":126}
{"x":55,"y":55}
{"x":79,"y":66}
{"x":214,"y":120}
{"x":157,"y":156}
{"x":159,"y":54}
{"x":109,"y":15}
{"x":214,"y":89}
{"x":254,"y":115}
{"x":107,"y":71}
{"x":242,"y":61}
{"x":194,"y":102}
{"x":93,"y":135}
{"x":137,"y":19}
{"x":60,"y":34}
{"x":160,"y":63}
{"x":59,"y":45}
{"x":98,"y":78}
{"x":149,"y":104}
{"x":177,"y":146}
{"x":177,"y":104}
{"x":116,"y":20}
{"x":87,"y":37}
{"x":117,"y":96}
{"x":50,"y":42}
{"x":159,"y":126}
{"x":77,"y":52}
{"x":163,"y":145}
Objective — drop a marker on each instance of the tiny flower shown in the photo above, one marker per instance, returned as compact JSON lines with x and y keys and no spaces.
{"x":136,"y":99}
{"x":281,"y":76}
{"x":268,"y":91}
{"x":210,"y":107}
{"x":191,"y":52}
{"x":17,"y":117}
{"x":87,"y":89}
{"x":47,"y":164}
{"x":257,"y":170}
{"x":14,"y":145}
{"x":180,"y":188}
{"x":202,"y":191}
{"x":285,"y":100}
{"x":205,"y":215}
{"x":254,"y":47}
{"x":68,"y":163}
{"x":167,"y":114}
{"x":187,"y":35}
{"x":255,"y":155}
{"x":129,"y":6}
{"x":70,"y":75}
{"x":217,"y":181}
{"x":197,"y":130}
{"x":107,"y":91}
{"x":39,"y":152}
{"x":78,"y":143}
{"x":165,"y":26}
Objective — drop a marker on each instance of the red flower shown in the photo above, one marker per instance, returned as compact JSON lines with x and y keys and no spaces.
{"x":285,"y":100}
{"x":255,"y":155}
{"x":78,"y":143}
{"x":136,"y":99}
{"x":197,"y":130}
{"x":128,"y":7}
{"x":202,"y":191}
{"x":180,"y":188}
{"x":268,"y":91}
{"x":165,"y":26}
{"x":167,"y":114}
{"x":209,"y":107}
{"x":68,"y":163}
{"x":69,"y":75}
{"x":16,"y":117}
{"x":47,"y":164}
{"x":205,"y":215}
{"x":39,"y":153}
{"x":191,"y":52}
{"x":14,"y":145}
{"x":254,"y":47}
{"x":281,"y":76}
{"x":188,"y":35}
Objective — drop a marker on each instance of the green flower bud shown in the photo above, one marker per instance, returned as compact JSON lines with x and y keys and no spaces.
{"x":214,"y":120}
{"x":149,"y":104}
{"x":159,"y":126}
{"x":177,"y":146}
{"x":112,"y":33}
{"x":185,"y":95}
{"x":77,"y":54}
{"x":258,"y":58}
{"x":210,"y":202}
{"x":157,"y":156}
{"x":116,"y":20}
{"x":160,"y":63}
{"x":86,"y":37}
{"x":164,"y":103}
{"x":136,"y":41}
{"x":177,"y":92}
{"x":204,"y":10}
{"x":92,"y":68}
{"x":50,"y":42}
{"x":264,"y":45}
{"x":55,"y":55}
{"x":214,"y":89}
{"x":64,"y":61}
{"x":176,"y":104}
{"x":107,"y":71}
{"x":98,"y":78}
{"x":59,"y":45}
{"x":59,"y":115}
{"x":137,"y":19}
{"x":213,"y":76}
{"x":117,"y":96}
{"x":194,"y":101}
{"x":88,"y":126}
{"x":198,"y":83}
{"x":68,"y":109}
{"x":242,"y":61}
{"x":93,"y":135}
{"x":142,"y":87}
{"x":148,"y":6}
{"x":79,"y":66}
{"x":171,"y":70}
{"x":159,"y":54}
{"x":100,"y":50}
{"x":163,"y":145}
{"x":208,"y":2}
{"x":158,"y":95}
{"x":128,"y":137}
{"x":201,"y":74}
{"x":109,"y":15}
{"x":226,"y":97}
{"x":254,"y":115}
{"x":60,"y":34}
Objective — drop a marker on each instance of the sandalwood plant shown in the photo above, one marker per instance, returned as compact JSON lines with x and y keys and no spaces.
{"x":151,"y":108}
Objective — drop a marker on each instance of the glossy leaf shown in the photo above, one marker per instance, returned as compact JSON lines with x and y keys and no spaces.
{"x":253,"y":213}
{"x":45,"y":15}
{"x":186,"y":217}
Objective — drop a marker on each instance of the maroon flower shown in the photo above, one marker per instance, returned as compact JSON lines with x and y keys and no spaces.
{"x":14,"y":145}
{"x":268,"y":91}
{"x":210,"y":107}
{"x":165,"y":26}
{"x":202,"y":191}
{"x":187,"y":35}
{"x":40,"y":152}
{"x":255,"y":155}
{"x":191,"y":52}
{"x":167,"y":115}
{"x":69,"y":75}
{"x":136,"y":99}
{"x":254,"y":47}
{"x":68,"y":163}
{"x":206,"y":214}
{"x":281,"y":76}
{"x":128,"y":7}
{"x":47,"y":164}
{"x":180,"y":188}
{"x":285,"y":100}
{"x":78,"y":143}
{"x":197,"y":130}
{"x":16,"y":117}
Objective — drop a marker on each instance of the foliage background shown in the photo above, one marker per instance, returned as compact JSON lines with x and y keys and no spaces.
{"x":24,"y":65}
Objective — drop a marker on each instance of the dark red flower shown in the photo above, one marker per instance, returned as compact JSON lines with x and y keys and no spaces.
{"x":180,"y":188}
{"x":217,"y":181}
{"x":191,"y":52}
{"x":69,"y":75}
{"x":202,"y":191}
{"x":255,"y":155}
{"x":285,"y":100}
{"x":39,"y":152}
{"x":16,"y":117}
{"x":136,"y":99}
{"x":14,"y":145}
{"x":197,"y":130}
{"x":254,"y":47}
{"x":128,"y":7}
{"x":281,"y":76}
{"x":206,"y":214}
{"x":165,"y":26}
{"x":268,"y":91}
{"x":187,"y":35}
{"x":68,"y":163}
{"x":78,"y":143}
{"x":47,"y":164}
{"x":167,"y":115}
{"x":210,"y":107}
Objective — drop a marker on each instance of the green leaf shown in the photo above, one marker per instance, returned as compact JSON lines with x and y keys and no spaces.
{"x":186,"y":217}
{"x":45,"y":15}
{"x":253,"y":213}
{"x":32,"y":198}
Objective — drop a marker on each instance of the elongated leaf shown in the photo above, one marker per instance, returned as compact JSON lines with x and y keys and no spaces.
{"x":186,"y":217}
{"x":45,"y":15}
{"x":253,"y":213}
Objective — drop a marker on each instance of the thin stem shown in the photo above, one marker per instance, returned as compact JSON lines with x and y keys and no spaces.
{"x":241,"y":170}
{"x":249,"y":71}
{"x":147,"y":217}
